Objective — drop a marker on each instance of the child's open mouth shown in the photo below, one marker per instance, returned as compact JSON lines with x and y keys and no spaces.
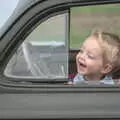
{"x":83,"y":66}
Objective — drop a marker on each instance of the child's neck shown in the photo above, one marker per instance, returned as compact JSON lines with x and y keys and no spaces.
{"x":94,"y":78}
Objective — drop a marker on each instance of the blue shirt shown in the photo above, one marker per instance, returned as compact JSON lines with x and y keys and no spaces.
{"x":107,"y":80}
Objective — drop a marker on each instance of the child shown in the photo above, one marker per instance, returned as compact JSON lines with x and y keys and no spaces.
{"x":97,"y":59}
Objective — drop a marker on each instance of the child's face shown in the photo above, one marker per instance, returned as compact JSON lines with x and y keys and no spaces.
{"x":90,"y":58}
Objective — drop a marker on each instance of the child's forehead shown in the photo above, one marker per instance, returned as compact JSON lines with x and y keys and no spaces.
{"x":91,"y":44}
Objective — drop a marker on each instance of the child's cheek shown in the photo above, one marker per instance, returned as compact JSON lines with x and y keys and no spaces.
{"x":90,"y":64}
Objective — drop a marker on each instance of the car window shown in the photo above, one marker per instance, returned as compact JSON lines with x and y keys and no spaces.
{"x":44,"y":53}
{"x":85,"y":20}
{"x":48,"y":53}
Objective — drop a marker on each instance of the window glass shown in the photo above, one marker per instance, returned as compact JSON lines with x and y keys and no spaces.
{"x":44,"y":53}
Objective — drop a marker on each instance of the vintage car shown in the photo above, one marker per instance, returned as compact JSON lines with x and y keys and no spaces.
{"x":38,"y":47}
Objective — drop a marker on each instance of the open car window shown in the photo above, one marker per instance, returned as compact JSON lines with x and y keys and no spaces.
{"x":85,"y":20}
{"x":44,"y":53}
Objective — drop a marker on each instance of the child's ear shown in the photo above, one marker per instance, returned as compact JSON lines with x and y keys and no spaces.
{"x":107,"y":68}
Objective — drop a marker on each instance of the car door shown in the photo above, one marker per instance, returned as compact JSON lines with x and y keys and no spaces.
{"x":35,"y":59}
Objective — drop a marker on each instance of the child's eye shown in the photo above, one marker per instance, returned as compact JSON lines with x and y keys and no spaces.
{"x":91,"y":56}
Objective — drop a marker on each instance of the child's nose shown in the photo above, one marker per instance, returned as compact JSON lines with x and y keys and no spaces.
{"x":81,"y":56}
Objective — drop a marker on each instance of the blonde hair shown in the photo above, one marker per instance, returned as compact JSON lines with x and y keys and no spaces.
{"x":110,"y":44}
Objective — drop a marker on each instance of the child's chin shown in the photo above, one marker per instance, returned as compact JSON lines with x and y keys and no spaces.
{"x":82,"y":72}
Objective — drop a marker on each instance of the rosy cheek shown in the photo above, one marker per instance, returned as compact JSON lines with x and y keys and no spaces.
{"x":89,"y":63}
